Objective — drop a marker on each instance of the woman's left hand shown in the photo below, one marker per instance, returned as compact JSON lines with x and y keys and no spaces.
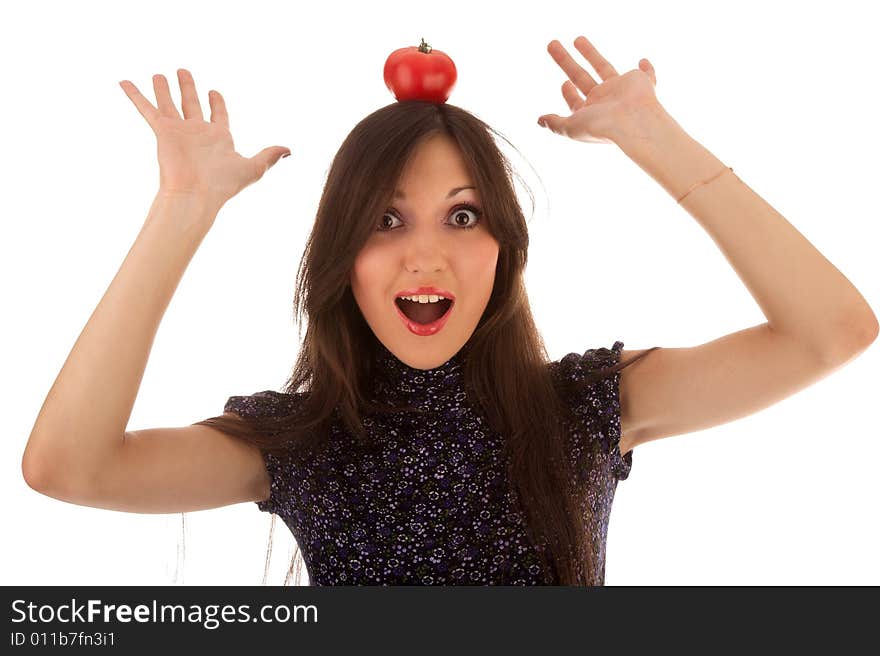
{"x":607,"y":111}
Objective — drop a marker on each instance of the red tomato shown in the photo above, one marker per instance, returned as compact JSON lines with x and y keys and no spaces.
{"x":420,"y":73}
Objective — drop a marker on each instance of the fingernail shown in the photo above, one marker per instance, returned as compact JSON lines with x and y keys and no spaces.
{"x":285,"y":155}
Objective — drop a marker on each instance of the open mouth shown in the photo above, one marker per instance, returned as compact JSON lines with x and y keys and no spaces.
{"x":423,"y":313}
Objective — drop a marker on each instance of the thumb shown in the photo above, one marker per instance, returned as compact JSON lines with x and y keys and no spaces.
{"x":551,"y":121}
{"x":268,"y":157}
{"x":646,"y":66}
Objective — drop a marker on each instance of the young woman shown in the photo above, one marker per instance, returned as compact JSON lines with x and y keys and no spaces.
{"x":423,"y":437}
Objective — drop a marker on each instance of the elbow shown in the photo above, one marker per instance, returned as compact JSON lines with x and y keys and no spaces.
{"x":33,"y":472}
{"x":38,"y":473}
{"x":873,"y":330}
{"x":866,"y":332}
{"x":859,"y":334}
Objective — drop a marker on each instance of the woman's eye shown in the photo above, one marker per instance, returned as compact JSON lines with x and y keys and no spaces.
{"x":382,"y":225}
{"x":455,"y":218}
{"x":462,"y":210}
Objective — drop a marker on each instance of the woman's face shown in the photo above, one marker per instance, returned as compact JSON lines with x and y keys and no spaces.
{"x":422,"y":241}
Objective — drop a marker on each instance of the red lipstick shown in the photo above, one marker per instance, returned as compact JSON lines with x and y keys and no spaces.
{"x":424,"y":329}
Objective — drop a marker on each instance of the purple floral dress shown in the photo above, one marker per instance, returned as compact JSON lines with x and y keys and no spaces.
{"x":430,"y":504}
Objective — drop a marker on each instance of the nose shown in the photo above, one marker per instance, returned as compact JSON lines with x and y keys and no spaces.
{"x":425,"y":253}
{"x":415,"y":266}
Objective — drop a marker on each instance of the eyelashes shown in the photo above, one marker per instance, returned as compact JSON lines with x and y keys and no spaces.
{"x":478,"y":213}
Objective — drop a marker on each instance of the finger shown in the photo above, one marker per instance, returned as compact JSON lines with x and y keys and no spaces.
{"x":218,"y":108}
{"x":572,"y":97}
{"x":267,"y":158}
{"x":144,"y":106}
{"x":597,"y":61}
{"x":553,"y":122}
{"x":163,"y":97}
{"x":189,"y":97}
{"x":581,"y":78}
{"x":645,"y":65}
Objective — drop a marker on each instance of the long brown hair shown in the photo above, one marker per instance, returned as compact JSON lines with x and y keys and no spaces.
{"x":506,"y":364}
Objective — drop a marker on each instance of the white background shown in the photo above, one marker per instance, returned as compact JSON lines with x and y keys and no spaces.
{"x":785,"y":93}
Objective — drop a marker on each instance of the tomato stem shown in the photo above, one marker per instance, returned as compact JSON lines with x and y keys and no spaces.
{"x":424,"y":47}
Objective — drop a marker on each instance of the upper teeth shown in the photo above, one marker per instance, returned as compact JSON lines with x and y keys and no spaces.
{"x":431,"y":298}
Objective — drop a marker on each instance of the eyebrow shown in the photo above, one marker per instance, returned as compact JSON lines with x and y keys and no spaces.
{"x":452,"y":192}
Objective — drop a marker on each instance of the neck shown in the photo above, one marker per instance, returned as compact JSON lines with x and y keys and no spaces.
{"x":430,"y":390}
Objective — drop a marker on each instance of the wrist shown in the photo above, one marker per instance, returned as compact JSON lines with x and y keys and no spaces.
{"x":662,"y":148}
{"x":647,"y":128}
{"x":196,"y":199}
{"x":196,"y":210}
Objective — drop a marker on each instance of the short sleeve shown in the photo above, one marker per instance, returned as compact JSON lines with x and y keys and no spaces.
{"x":598,"y":405}
{"x":262,"y":404}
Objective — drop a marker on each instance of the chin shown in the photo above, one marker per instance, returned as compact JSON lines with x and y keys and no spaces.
{"x":423,"y":360}
{"x":425,"y":356}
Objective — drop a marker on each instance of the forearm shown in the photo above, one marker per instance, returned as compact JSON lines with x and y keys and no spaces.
{"x":799,"y":291}
{"x":86,"y":411}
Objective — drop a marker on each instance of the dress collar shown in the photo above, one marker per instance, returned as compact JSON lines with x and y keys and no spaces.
{"x":430,"y":390}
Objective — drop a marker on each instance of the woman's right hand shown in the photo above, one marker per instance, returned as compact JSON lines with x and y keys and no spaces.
{"x":196,"y":156}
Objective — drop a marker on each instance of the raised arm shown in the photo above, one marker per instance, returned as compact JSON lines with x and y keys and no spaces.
{"x":77,"y":450}
{"x":816,"y":319}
